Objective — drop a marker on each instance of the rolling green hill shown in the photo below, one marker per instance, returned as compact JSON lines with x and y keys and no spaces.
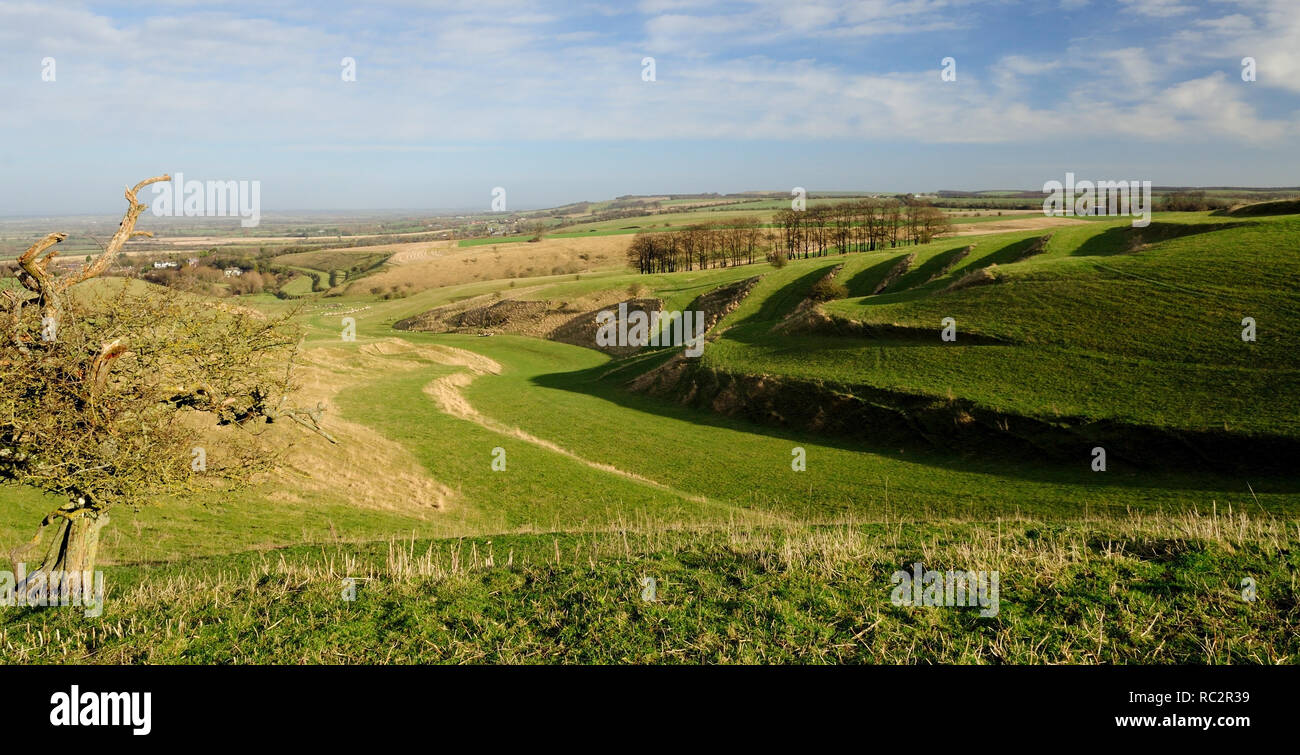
{"x":971,"y":454}
{"x":1106,"y":324}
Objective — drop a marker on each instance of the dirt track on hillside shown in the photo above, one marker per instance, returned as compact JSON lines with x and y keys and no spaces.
{"x":446,"y":392}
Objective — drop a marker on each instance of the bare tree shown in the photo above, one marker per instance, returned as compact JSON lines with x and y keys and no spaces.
{"x":893,"y":219}
{"x":640,"y":253}
{"x":932,"y":222}
{"x":108,"y":390}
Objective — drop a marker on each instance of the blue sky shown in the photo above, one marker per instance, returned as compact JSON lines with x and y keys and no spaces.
{"x":547,"y":100}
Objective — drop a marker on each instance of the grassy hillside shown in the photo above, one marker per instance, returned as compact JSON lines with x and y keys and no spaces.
{"x":754,"y":561}
{"x":1108,"y":322}
{"x":1145,"y":591}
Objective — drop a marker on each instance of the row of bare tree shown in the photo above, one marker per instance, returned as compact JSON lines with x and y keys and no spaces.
{"x":734,"y":242}
{"x":860,"y":226}
{"x":855,"y":226}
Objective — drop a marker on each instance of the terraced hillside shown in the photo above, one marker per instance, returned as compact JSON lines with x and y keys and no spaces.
{"x":1096,"y":335}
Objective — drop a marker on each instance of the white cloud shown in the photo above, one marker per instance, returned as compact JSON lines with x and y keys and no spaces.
{"x":1267,"y":30}
{"x":1157,"y":8}
{"x":502,"y":71}
{"x":1232,"y":24}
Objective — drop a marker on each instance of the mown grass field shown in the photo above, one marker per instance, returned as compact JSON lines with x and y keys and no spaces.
{"x":753,"y":561}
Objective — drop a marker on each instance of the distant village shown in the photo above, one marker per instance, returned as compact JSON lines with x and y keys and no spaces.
{"x":212,"y":272}
{"x":230,"y":272}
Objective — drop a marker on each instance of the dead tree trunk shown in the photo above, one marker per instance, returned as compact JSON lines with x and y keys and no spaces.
{"x":70,"y":555}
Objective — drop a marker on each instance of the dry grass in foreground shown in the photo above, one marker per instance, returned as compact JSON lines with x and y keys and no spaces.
{"x":1151,"y":589}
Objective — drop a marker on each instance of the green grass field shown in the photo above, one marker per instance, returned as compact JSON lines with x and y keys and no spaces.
{"x":1131,"y":334}
{"x":1142,"y":592}
{"x":1087,"y":328}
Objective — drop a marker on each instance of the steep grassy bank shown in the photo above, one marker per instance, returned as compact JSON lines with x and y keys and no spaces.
{"x":1050,"y":344}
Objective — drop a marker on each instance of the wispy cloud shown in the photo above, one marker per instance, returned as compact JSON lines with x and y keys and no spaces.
{"x":437,"y":78}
